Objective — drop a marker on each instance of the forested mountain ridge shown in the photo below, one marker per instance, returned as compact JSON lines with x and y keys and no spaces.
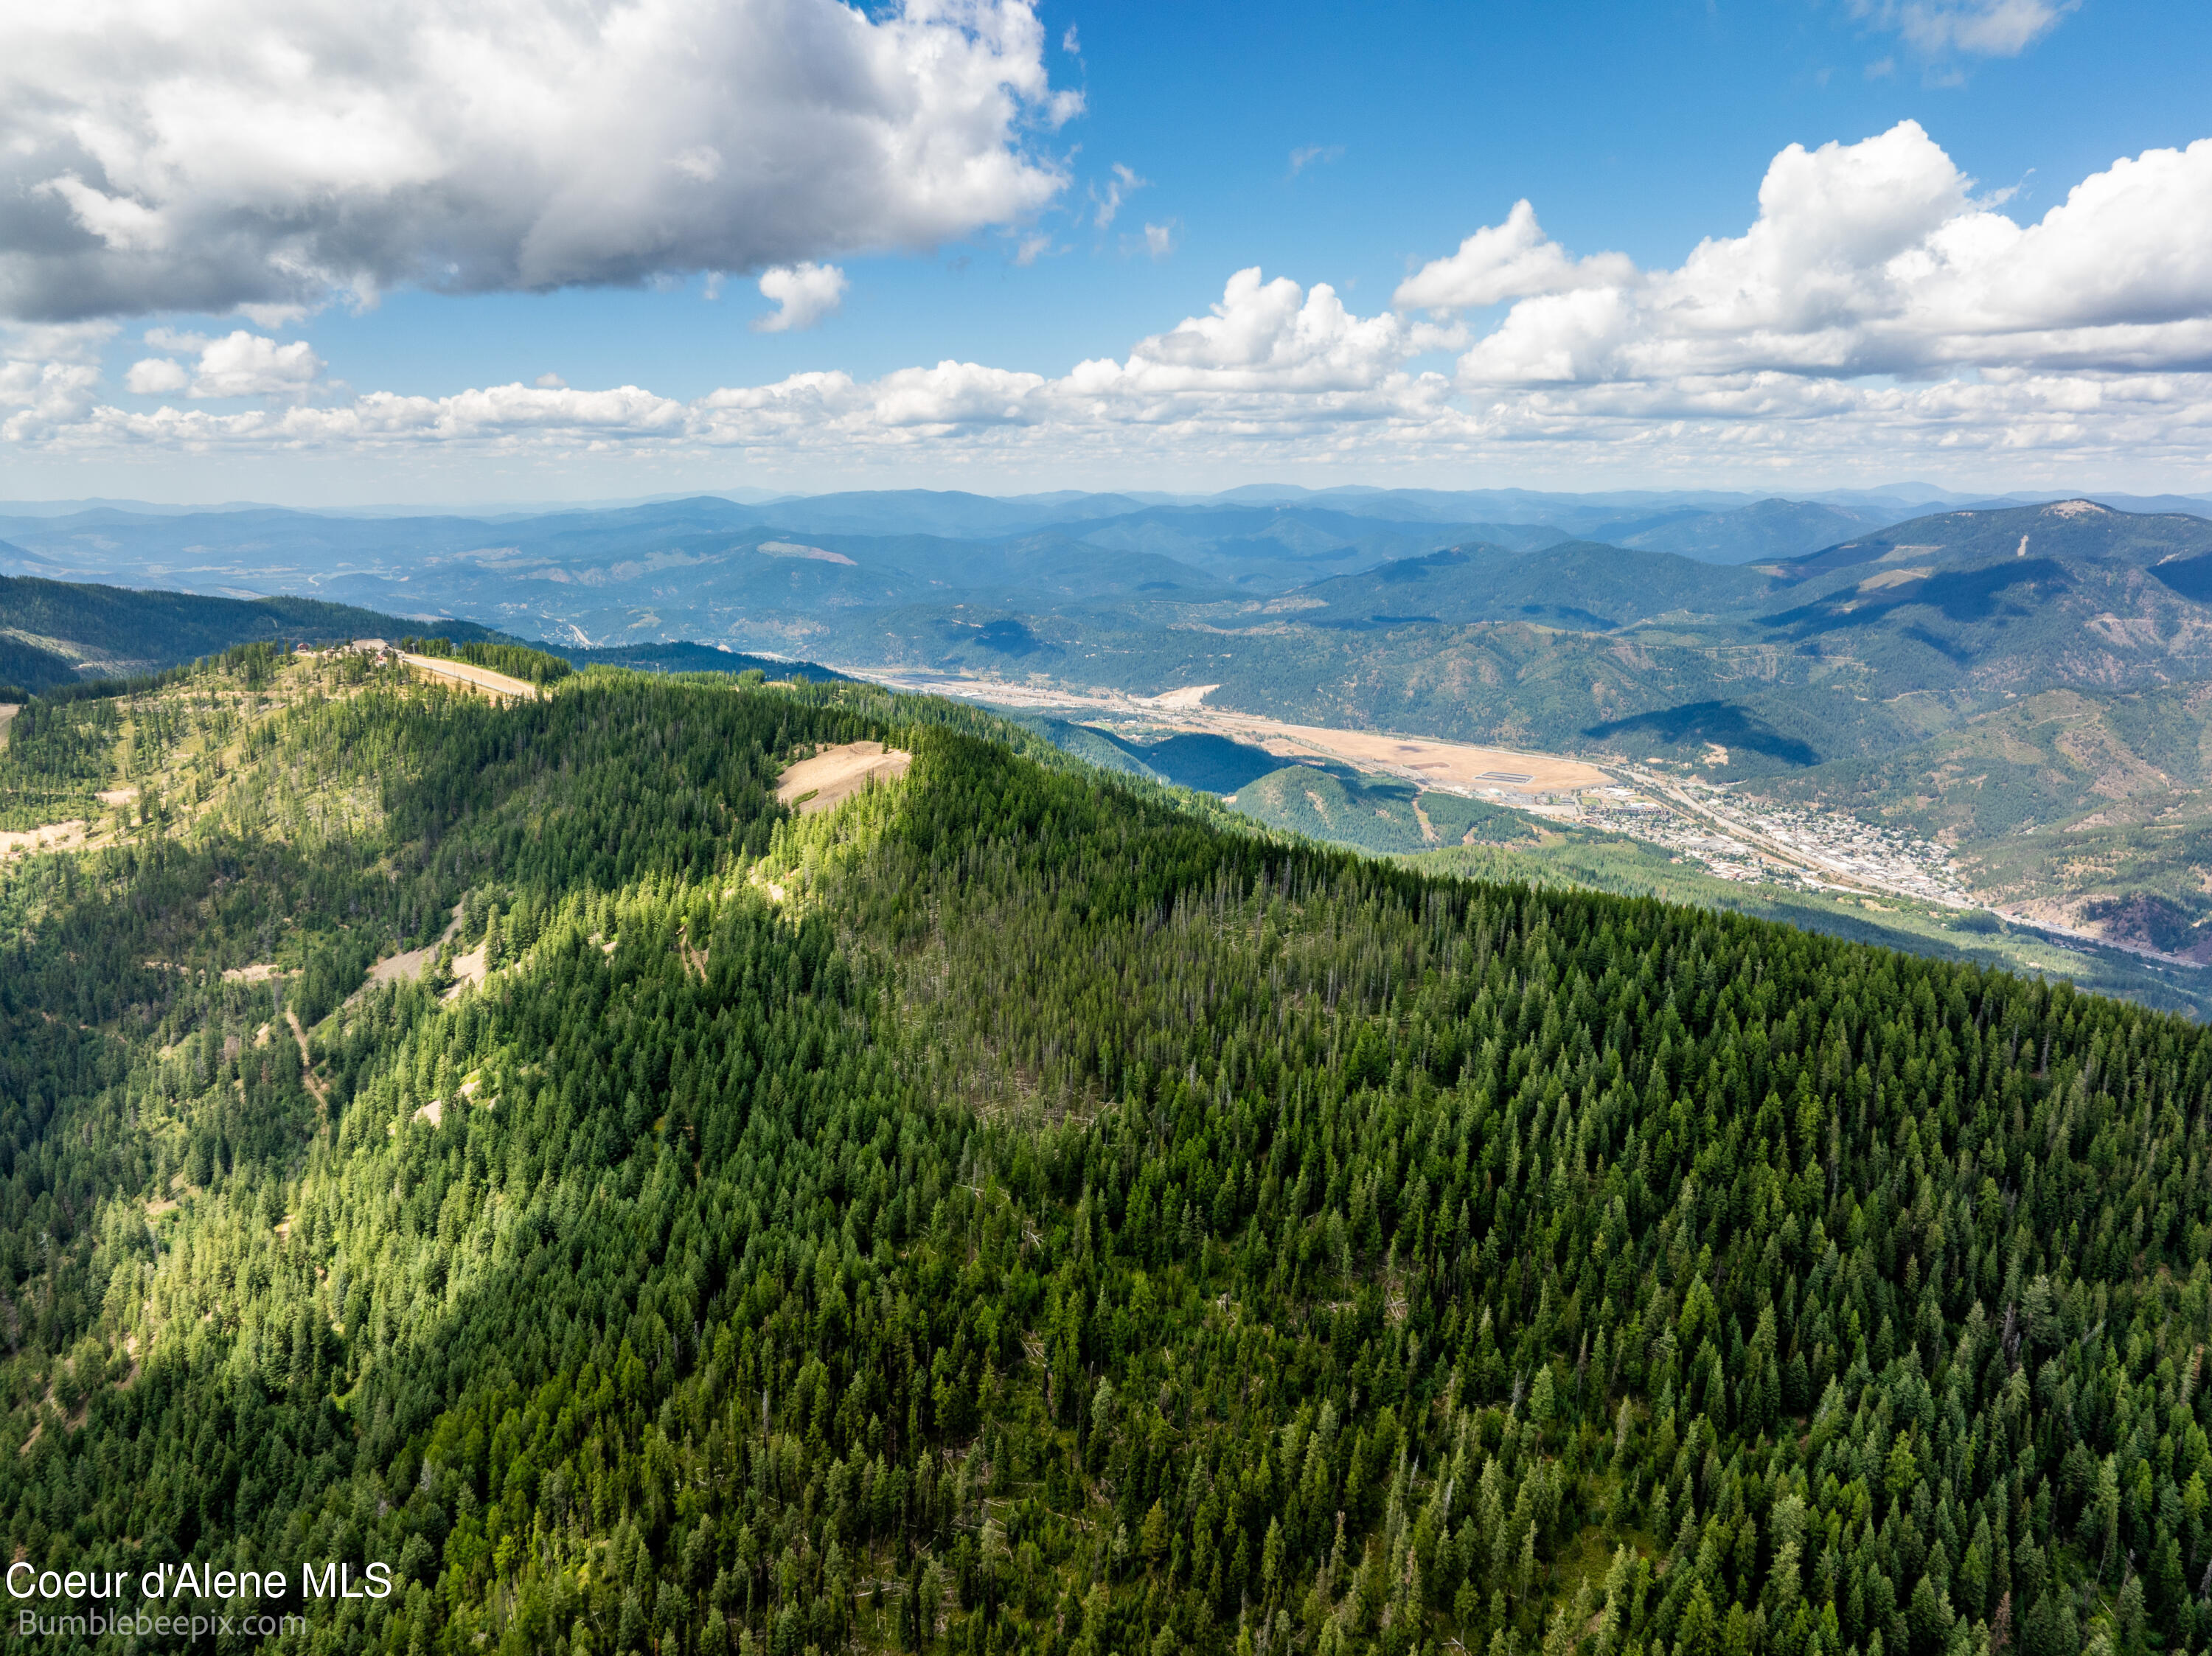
{"x":1009,"y":1212}
{"x":55,"y":633}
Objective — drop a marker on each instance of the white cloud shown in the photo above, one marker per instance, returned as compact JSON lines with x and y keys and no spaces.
{"x":551,"y":382}
{"x":1160,"y":238}
{"x":238,"y":364}
{"x":209,"y":155}
{"x":242,"y":364}
{"x":1071,"y":43}
{"x":1983,"y":28}
{"x":46,"y":396}
{"x":156,"y":376}
{"x":1506,"y":261}
{"x":1877,"y":319}
{"x":1120,"y":185}
{"x":1874,"y":258}
{"x":805,"y":294}
{"x":1313,"y":153}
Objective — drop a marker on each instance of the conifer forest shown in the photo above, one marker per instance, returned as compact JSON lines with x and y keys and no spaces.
{"x":1021,"y":1209}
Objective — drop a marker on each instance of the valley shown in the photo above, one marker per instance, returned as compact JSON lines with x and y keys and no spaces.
{"x":1732,"y":832}
{"x":1918,"y":714}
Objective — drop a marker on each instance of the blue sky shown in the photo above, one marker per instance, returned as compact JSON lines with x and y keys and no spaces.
{"x":1636,"y":127}
{"x":1336,"y":145}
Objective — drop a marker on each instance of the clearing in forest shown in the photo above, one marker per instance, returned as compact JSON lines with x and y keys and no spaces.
{"x":498,"y":686}
{"x":839,"y":773}
{"x":54,"y":836}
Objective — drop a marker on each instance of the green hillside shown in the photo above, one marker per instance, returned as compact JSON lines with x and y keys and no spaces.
{"x":55,"y":633}
{"x":1338,"y":807}
{"x":1011,"y":1212}
{"x":691,"y":658}
{"x":1483,"y":841}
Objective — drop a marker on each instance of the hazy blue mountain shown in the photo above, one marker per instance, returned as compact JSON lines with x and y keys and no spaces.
{"x":21,"y":560}
{"x":1762,"y":531}
{"x":1578,"y":585}
{"x":1274,"y":547}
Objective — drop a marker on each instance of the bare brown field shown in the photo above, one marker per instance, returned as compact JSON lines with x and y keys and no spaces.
{"x":1440,"y":764}
{"x":7,"y":711}
{"x":55,"y":836}
{"x":837,"y":774}
{"x":1455,"y":765}
{"x":482,"y":680}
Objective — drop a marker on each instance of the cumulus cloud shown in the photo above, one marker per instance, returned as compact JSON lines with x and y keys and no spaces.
{"x":156,"y":376}
{"x":1160,"y":238}
{"x":240,"y":364}
{"x":1875,"y":258}
{"x":1506,"y":261}
{"x":803,"y":295}
{"x":1876,"y":315}
{"x":1983,"y":28}
{"x":213,"y":154}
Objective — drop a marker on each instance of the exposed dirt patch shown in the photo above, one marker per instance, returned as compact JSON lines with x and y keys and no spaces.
{"x":321,"y":1090}
{"x":409,"y":963}
{"x":470,"y":968}
{"x":482,"y":680}
{"x":260,"y":972}
{"x":413,"y":962}
{"x":836,"y":774}
{"x":55,"y":836}
{"x":1191,"y":695}
{"x":7,"y":711}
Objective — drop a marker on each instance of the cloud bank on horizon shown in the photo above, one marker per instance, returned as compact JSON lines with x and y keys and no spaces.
{"x":1875,"y":311}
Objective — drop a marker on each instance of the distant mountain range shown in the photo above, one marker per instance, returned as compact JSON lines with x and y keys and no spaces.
{"x":1861,"y":649}
{"x":54,"y":633}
